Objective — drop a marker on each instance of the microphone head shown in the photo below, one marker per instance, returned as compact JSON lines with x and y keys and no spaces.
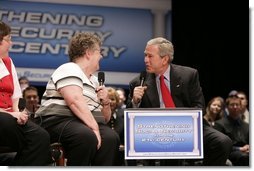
{"x":101,"y":78}
{"x":143,"y":75}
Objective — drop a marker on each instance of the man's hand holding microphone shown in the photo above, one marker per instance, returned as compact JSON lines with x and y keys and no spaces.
{"x":139,"y":91}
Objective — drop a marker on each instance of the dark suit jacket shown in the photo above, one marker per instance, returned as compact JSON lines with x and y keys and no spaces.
{"x":185,"y":89}
{"x":237,"y":130}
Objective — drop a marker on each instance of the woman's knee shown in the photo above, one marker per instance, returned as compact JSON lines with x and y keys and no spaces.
{"x":41,"y":138}
{"x":111,"y":138}
{"x":84,"y":137}
{"x":7,"y":121}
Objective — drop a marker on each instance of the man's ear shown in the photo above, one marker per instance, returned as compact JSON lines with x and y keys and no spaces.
{"x":166,"y":59}
{"x":88,"y":54}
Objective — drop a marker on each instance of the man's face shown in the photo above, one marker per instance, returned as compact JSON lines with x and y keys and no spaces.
{"x":153,"y":61}
{"x":31,"y":97}
{"x":234,"y":108}
{"x":243,"y":100}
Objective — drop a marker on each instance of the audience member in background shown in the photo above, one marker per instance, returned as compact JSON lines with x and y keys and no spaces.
{"x":237,"y":130}
{"x":183,"y":85}
{"x":117,"y":122}
{"x":75,"y":109}
{"x":214,"y":110}
{"x":24,"y":83}
{"x":30,"y":141}
{"x":231,"y":93}
{"x":122,"y":98}
{"x":244,"y":109}
{"x":30,"y":94}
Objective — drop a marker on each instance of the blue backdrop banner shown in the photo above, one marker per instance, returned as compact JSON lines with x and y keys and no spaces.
{"x":41,"y":32}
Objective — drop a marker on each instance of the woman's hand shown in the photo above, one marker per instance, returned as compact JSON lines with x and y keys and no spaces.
{"x":22,"y":117}
{"x":102,"y":94}
{"x":97,"y":133}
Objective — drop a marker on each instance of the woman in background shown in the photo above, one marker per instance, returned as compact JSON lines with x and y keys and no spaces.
{"x":214,"y":110}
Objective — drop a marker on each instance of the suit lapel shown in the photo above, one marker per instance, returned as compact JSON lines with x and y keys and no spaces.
{"x":175,"y":83}
{"x":152,"y":92}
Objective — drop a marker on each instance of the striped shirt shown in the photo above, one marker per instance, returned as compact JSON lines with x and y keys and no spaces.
{"x":68,"y":74}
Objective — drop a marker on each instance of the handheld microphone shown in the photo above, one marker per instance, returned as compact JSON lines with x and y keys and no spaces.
{"x":101,"y":78}
{"x":142,"y":77}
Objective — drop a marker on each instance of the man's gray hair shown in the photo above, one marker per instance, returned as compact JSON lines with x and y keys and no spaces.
{"x":165,"y":47}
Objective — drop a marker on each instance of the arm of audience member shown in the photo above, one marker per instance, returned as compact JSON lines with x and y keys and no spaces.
{"x":102,"y":94}
{"x":245,"y":148}
{"x":73,"y":96}
{"x":22,"y":117}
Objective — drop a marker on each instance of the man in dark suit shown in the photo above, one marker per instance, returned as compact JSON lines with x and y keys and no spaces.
{"x":184,"y":83}
{"x":237,"y":129}
{"x":184,"y":88}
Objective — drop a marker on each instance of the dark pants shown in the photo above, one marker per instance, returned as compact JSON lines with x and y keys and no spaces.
{"x":217,"y":147}
{"x":239,"y":158}
{"x":6,"y":159}
{"x":30,"y":141}
{"x":79,"y":141}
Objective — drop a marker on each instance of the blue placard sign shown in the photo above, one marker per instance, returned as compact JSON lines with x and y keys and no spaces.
{"x":163,"y":134}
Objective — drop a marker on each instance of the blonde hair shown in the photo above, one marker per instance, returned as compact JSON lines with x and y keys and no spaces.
{"x":112,"y":91}
{"x":208,"y":115}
